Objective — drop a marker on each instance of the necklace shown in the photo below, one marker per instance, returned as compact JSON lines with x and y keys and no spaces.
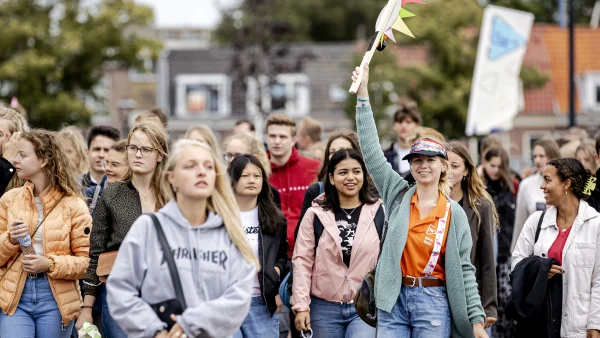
{"x":145,"y":197}
{"x":349,"y":215}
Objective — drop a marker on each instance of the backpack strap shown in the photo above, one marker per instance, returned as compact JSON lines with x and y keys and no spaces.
{"x":539,"y":227}
{"x":380,"y":220}
{"x":318,"y":230}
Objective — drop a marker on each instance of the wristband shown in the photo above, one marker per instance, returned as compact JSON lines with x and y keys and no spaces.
{"x":86,"y":307}
{"x":366,"y":99}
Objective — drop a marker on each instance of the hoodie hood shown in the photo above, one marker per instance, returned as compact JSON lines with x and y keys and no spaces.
{"x":172,"y":212}
{"x":291,"y":161}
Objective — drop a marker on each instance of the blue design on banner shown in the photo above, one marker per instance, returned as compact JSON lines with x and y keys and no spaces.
{"x":504,"y":39}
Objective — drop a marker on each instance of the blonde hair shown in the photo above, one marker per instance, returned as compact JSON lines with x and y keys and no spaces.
{"x":280,"y":120}
{"x":312,"y":128}
{"x":423,"y":132}
{"x":18,"y":123}
{"x":58,"y":168}
{"x":156,"y":134}
{"x":222,"y":200}
{"x":208,"y":135}
{"x":255,"y":148}
{"x":444,"y":182}
{"x":72,"y":135}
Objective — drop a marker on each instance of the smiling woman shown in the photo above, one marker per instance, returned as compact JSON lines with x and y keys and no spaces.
{"x":337,"y":245}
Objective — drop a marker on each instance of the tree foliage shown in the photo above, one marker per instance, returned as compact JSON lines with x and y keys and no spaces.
{"x":52,"y":53}
{"x":449,"y":31}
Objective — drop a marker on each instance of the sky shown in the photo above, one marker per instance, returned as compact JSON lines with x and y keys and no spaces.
{"x":194,"y":13}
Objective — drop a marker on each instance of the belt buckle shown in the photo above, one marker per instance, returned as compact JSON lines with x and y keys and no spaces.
{"x":32,"y":275}
{"x":414,"y":281}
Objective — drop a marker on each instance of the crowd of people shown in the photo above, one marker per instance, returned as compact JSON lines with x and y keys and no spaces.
{"x":146,"y":236}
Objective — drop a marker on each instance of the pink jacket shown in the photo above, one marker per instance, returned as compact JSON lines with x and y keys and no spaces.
{"x":326,"y":276}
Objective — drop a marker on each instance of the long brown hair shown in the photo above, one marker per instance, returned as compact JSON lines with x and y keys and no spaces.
{"x":497,"y":151}
{"x":473,"y":183}
{"x":338,"y":133}
{"x":60,"y":172}
{"x":156,"y":134}
{"x":222,"y":201}
{"x":72,"y":135}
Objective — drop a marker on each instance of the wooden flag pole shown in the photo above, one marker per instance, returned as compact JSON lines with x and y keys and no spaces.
{"x":380,"y":30}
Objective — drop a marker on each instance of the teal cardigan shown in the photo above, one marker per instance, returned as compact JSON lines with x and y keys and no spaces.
{"x":463,"y":297}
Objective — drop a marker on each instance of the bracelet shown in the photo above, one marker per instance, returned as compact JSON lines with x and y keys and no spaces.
{"x":86,"y":307}
{"x":366,"y":99}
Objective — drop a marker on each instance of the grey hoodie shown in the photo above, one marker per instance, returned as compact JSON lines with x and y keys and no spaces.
{"x":216,"y":279}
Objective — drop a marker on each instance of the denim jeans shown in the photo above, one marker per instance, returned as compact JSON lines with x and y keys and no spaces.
{"x":37,"y":314}
{"x":259,"y":322}
{"x":419,"y":312}
{"x":110,"y":327}
{"x":331,"y":320}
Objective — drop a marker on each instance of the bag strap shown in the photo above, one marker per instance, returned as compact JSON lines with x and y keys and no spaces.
{"x":398,"y":200}
{"x":439,"y":239}
{"x":379,"y":220}
{"x":539,"y":227}
{"x":320,"y":187}
{"x":170,"y":261}
{"x":95,"y":198}
{"x":32,"y":235}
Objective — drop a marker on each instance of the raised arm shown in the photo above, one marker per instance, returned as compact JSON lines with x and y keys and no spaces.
{"x":387,"y":181}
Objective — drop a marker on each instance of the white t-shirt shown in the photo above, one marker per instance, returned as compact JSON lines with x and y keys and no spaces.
{"x":38,"y":240}
{"x":403,"y":166}
{"x":251,"y":228}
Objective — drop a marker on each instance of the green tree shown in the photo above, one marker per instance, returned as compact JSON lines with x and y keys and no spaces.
{"x":52,"y":53}
{"x":442,"y":86}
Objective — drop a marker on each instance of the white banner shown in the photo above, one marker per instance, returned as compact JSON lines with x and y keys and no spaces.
{"x":496,"y":92}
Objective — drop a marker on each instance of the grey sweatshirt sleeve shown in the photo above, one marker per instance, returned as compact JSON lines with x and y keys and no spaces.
{"x":126,"y":306}
{"x":223,"y":316}
{"x":388,"y":182}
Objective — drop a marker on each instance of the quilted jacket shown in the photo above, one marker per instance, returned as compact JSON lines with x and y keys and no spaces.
{"x":66,"y":241}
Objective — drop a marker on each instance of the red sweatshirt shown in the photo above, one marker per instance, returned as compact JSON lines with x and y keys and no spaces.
{"x":291,"y":181}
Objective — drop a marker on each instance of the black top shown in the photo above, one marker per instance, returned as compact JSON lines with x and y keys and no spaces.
{"x":347,"y":221}
{"x":115,"y":213}
{"x":7,"y":171}
{"x":505,"y":202}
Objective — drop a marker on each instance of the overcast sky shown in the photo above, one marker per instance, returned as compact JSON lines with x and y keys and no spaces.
{"x":196,"y":13}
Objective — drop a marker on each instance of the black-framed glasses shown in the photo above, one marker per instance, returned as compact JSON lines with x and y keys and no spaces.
{"x":132,"y":149}
{"x":230,"y":156}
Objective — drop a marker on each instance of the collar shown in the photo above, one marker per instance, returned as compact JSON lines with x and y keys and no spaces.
{"x":291,"y":161}
{"x":49,"y":194}
{"x":584,"y":214}
{"x":440,"y":208}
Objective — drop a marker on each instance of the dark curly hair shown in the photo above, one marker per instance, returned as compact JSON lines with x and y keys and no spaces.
{"x":568,"y":168}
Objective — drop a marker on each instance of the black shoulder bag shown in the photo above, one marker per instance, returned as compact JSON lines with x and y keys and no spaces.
{"x":176,"y":306}
{"x":364,"y":299}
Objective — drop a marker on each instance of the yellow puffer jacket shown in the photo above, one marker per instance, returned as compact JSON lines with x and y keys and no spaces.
{"x":66,"y":234}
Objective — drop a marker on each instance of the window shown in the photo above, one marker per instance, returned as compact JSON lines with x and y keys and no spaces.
{"x":287,"y":93}
{"x":203,"y":95}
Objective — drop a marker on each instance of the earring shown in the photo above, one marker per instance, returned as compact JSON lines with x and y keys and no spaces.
{"x":464,"y":178}
{"x":175,"y":189}
{"x":566,"y":193}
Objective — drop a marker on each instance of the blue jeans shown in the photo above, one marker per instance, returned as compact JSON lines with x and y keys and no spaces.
{"x":259,"y":322}
{"x":110,"y":327}
{"x":37,"y":314}
{"x":331,"y":320}
{"x":419,"y":312}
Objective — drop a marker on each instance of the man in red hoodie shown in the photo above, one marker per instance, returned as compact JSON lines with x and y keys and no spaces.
{"x":291,"y":173}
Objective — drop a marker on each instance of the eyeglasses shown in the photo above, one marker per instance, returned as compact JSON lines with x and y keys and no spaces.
{"x":230,"y":156}
{"x":111,"y":165}
{"x":133,"y":149}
